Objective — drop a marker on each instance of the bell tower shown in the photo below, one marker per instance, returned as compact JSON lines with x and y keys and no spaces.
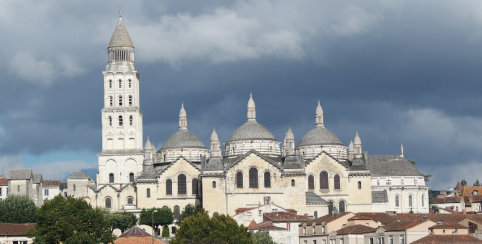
{"x":121,"y":158}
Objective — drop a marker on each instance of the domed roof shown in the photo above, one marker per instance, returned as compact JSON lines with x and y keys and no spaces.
{"x":251,"y":130}
{"x":183,"y":139}
{"x":319,"y":136}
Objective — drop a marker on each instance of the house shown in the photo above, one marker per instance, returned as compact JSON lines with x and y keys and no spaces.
{"x":51,"y":188}
{"x":353,"y":234}
{"x":136,"y":235}
{"x":288,"y":220}
{"x":15,"y":233}
{"x":317,"y":230}
{"x":3,"y":188}
{"x":25,"y":182}
{"x":400,"y":232}
{"x":449,"y":228}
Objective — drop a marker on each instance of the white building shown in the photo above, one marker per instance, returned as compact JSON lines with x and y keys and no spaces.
{"x":51,"y":188}
{"x":3,"y":188}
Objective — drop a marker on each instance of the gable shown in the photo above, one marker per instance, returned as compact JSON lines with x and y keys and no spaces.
{"x":254,"y":153}
{"x":180,"y":165}
{"x":325,"y":161}
{"x":256,"y":161}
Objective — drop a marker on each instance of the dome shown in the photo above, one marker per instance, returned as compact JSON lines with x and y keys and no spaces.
{"x":183,"y":139}
{"x":251,"y":130}
{"x":319,"y":136}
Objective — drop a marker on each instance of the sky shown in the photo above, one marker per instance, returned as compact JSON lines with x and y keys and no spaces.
{"x":395,"y":71}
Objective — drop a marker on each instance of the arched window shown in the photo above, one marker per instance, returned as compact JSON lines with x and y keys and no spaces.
{"x":311,"y":182}
{"x":397,"y":201}
{"x":330,"y":207}
{"x":108,"y":202}
{"x":110,"y":83}
{"x":19,"y":188}
{"x":131,"y":177}
{"x":181,"y":184}
{"x":194,"y":186}
{"x":341,"y":206}
{"x":130,"y":83}
{"x":214,"y":184}
{"x":166,"y":207}
{"x":239,"y":180}
{"x":111,"y":101}
{"x":423,"y":202}
{"x":131,"y":120}
{"x":253,"y":178}
{"x":176,"y":212}
{"x":410,"y":201}
{"x":215,"y":214}
{"x":168,"y":187}
{"x":337,"y":181}
{"x":120,"y":83}
{"x":120,"y":100}
{"x":130,"y":100}
{"x":293,"y":183}
{"x":121,"y":123}
{"x":148,"y":192}
{"x":323,"y":180}
{"x":315,"y":214}
{"x":267,"y":180}
{"x":130,"y":201}
{"x":111,"y":178}
{"x":359,"y":184}
{"x":110,"y":121}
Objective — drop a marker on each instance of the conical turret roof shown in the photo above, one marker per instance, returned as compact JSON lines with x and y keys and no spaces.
{"x":121,"y":37}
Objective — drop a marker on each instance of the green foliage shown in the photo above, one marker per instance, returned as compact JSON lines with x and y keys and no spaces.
{"x":165,"y":231}
{"x":413,"y":162}
{"x":190,"y":210}
{"x":435,"y":209}
{"x":164,"y":216}
{"x":121,"y":221}
{"x":70,"y":220}
{"x":411,"y":211}
{"x":218,"y":229}
{"x":463,"y":183}
{"x":477,"y":183}
{"x":262,"y":238}
{"x":17,"y":209}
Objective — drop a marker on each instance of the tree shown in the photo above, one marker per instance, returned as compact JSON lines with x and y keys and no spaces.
{"x":121,"y":221}
{"x":435,"y":208}
{"x":70,"y":220}
{"x":190,"y":210}
{"x":463,"y":183}
{"x":17,"y":209}
{"x":262,"y":238}
{"x":218,"y":229}
{"x":477,"y":183}
{"x":165,"y":231}
{"x":164,"y":216}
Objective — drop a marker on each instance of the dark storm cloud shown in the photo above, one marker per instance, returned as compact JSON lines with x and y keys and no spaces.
{"x":397,"y":72}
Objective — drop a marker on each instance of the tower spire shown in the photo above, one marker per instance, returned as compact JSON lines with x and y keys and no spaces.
{"x":319,"y":115}
{"x":251,"y":108}
{"x":182,"y":118}
{"x":215,"y":144}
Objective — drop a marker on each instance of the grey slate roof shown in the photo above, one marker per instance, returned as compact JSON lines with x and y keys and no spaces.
{"x":37,"y":178}
{"x":358,"y":164}
{"x":292,"y":162}
{"x":313,"y":198}
{"x":379,"y":196}
{"x":319,"y":136}
{"x":229,"y":162}
{"x":63,"y":185}
{"x":182,"y":139}
{"x":392,"y":165}
{"x":120,"y":37}
{"x":19,"y":174}
{"x":214,"y":164}
{"x":78,"y":175}
{"x":251,"y":130}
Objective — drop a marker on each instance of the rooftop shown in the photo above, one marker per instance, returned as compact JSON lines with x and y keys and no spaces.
{"x":51,"y":182}
{"x":327,"y":218}
{"x":3,"y":180}
{"x":285,"y":217}
{"x":402,"y":225}
{"x":383,"y":218}
{"x":460,"y":239}
{"x":15,"y":229}
{"x":355,"y":229}
{"x":391,"y":165}
{"x":448,"y":226}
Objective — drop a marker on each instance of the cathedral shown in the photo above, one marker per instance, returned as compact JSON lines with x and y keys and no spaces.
{"x":315,"y":177}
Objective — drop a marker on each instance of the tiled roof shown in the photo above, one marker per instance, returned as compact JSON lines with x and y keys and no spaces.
{"x":78,"y":175}
{"x":458,"y":187}
{"x":389,"y":165}
{"x":253,"y":225}
{"x":137,"y":240}
{"x":313,"y":198}
{"x":63,"y":185}
{"x":448,"y":226}
{"x":135,"y":231}
{"x":37,"y":178}
{"x":355,"y":229}
{"x":19,"y":174}
{"x":51,"y":183}
{"x":285,"y":217}
{"x":468,"y":190}
{"x":15,"y":229}
{"x":383,"y":218}
{"x":402,"y":225}
{"x":449,"y":218}
{"x":327,"y":218}
{"x":456,"y":199}
{"x":3,"y":181}
{"x":242,"y":210}
{"x":460,"y":239}
{"x":120,"y":37}
{"x":268,"y":226}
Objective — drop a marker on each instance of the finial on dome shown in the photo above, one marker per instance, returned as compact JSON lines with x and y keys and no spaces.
{"x":319,"y":115}
{"x":182,"y":118}
{"x":251,"y":108}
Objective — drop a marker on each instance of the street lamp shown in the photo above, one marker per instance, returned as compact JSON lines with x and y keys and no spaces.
{"x":153,"y":212}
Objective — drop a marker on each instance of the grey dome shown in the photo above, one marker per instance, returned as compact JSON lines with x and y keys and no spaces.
{"x":251,"y":130}
{"x":183,"y":139}
{"x":319,"y":136}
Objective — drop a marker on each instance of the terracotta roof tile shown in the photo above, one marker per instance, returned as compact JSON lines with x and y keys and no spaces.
{"x":253,"y":225}
{"x":135,"y":231}
{"x":355,"y":229}
{"x":456,"y":199}
{"x":137,"y":240}
{"x":459,"y":187}
{"x":402,"y":225}
{"x":448,"y":226}
{"x":468,"y":190}
{"x":3,"y":180}
{"x":377,"y":217}
{"x":4,"y":228}
{"x":460,"y":239}
{"x":20,"y":229}
{"x":327,"y":218}
{"x":285,"y":217}
{"x":449,"y":218}
{"x":51,"y":182}
{"x":268,"y":225}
